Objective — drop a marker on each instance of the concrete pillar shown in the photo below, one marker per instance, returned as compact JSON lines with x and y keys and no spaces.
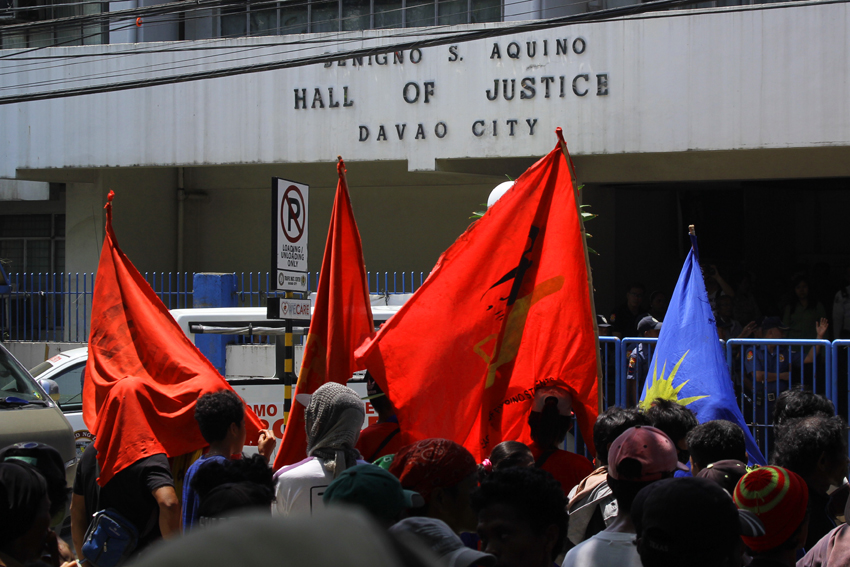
{"x":214,"y":290}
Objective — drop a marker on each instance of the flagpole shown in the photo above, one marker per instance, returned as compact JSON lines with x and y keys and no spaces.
{"x":599,"y":386}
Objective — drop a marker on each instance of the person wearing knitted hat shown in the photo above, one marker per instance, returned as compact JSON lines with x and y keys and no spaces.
{"x":445,"y":474}
{"x":333,"y":417}
{"x":778,"y":497}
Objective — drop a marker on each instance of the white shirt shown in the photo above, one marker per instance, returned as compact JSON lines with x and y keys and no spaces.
{"x":299,"y":487}
{"x":614,"y":549}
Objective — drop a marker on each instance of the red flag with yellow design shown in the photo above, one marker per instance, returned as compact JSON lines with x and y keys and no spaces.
{"x":506,"y":309}
{"x":342,"y":319}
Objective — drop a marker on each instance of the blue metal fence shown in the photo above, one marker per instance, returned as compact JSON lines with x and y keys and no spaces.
{"x":56,"y":306}
{"x":762,"y":369}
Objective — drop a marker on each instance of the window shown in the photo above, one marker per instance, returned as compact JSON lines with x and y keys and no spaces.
{"x":86,"y":32}
{"x":261,"y":17}
{"x":32,"y":244}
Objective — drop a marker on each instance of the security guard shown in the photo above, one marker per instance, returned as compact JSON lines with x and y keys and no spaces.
{"x":639,"y":358}
{"x":772,"y":367}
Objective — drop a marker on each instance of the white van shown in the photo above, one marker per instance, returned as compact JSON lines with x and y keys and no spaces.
{"x":249,"y":368}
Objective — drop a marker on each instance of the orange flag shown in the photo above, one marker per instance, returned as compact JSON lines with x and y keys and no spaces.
{"x":143,"y":375}
{"x":506,"y":309}
{"x":342,"y":319}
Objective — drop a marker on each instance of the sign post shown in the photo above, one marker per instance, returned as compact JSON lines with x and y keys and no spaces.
{"x":289,"y":264}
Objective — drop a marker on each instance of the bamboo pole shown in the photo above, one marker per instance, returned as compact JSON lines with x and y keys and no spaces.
{"x":599,"y":375}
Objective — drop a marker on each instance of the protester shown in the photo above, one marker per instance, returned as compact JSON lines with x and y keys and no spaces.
{"x":444,"y":474}
{"x":624,"y":319}
{"x":676,"y":421}
{"x":440,"y":538}
{"x":715,"y":286}
{"x":48,"y":462}
{"x":638,"y":457}
{"x":726,"y":318}
{"x":815,"y":448}
{"x":658,"y":305}
{"x":383,"y":437}
{"x":778,"y":497}
{"x":797,"y":402}
{"x":522,"y":517}
{"x":803,"y":312}
{"x":725,"y":473}
{"x":550,"y":420}
{"x":24,"y":514}
{"x":221,"y":418}
{"x":592,"y":506}
{"x":507,"y":454}
{"x":333,"y":417}
{"x":841,"y":309}
{"x":690,"y":521}
{"x":341,"y":537}
{"x":717,"y":440}
{"x":225,"y":488}
{"x":143,"y":493}
{"x":833,"y":550}
{"x":375,"y":490}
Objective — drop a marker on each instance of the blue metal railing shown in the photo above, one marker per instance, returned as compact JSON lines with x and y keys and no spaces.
{"x":785,"y":359}
{"x":57,"y":306}
{"x":630,"y":393}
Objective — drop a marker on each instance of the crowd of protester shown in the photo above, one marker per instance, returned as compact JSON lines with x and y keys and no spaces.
{"x":663,"y":490}
{"x":742,"y":299}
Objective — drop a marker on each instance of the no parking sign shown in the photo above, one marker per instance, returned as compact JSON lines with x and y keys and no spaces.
{"x":289,"y":234}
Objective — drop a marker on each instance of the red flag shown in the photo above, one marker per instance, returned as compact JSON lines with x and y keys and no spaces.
{"x":506,"y":308}
{"x":143,"y":375}
{"x":342,"y":319}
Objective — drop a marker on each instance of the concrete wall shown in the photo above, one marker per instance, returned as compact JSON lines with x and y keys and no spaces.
{"x":768,"y":77}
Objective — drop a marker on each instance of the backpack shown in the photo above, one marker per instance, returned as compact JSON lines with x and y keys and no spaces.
{"x":110,"y":539}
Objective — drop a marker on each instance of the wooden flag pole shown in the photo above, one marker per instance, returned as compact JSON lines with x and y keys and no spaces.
{"x":599,"y":375}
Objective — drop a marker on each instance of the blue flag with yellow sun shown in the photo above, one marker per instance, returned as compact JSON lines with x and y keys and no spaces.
{"x":688,"y":366}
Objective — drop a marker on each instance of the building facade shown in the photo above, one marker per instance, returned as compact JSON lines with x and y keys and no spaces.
{"x":736,"y":119}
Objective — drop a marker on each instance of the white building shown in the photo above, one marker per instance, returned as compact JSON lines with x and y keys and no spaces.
{"x":734,"y":118}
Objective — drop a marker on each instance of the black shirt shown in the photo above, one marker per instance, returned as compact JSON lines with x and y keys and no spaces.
{"x":624,"y":322}
{"x":820,"y":522}
{"x":130,"y":492}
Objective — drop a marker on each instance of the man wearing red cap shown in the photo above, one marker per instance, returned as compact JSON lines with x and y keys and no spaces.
{"x":638,"y":457}
{"x":778,"y":497}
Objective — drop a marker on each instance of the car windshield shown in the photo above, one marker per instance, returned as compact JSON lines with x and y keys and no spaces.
{"x":14,"y":380}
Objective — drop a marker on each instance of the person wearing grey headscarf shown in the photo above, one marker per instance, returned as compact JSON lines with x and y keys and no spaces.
{"x":334,"y":416}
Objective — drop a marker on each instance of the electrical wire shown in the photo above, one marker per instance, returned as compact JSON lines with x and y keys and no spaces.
{"x":463,"y":36}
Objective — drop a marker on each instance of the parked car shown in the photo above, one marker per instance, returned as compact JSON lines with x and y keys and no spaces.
{"x":27,"y":413}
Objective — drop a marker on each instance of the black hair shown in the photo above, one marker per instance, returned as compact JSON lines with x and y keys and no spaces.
{"x":717,"y":440}
{"x":625,"y":491}
{"x":253,"y":469}
{"x":549,"y":427}
{"x":673,"y":419}
{"x":215,"y":411}
{"x":635,"y":285}
{"x":611,"y":424}
{"x":811,"y":303}
{"x":533,"y":493}
{"x":510,"y":454}
{"x":804,"y":440}
{"x":797,"y":402}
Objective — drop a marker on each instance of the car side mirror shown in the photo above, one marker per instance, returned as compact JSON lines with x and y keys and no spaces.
{"x":51,"y":387}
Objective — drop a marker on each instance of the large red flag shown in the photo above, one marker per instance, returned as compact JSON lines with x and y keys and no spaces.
{"x":506,"y":308}
{"x":342,"y":319}
{"x":143,"y":375}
